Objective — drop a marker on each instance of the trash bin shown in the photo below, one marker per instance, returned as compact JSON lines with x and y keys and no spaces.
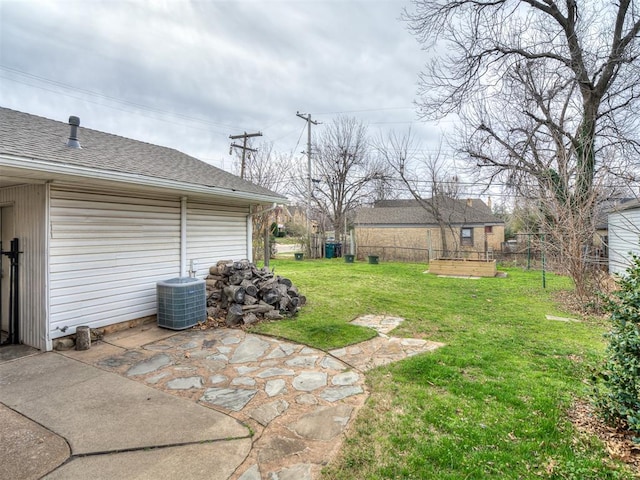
{"x":338,"y":250}
{"x":329,"y":250}
{"x":349,"y":258}
{"x":373,"y":259}
{"x":298,"y":256}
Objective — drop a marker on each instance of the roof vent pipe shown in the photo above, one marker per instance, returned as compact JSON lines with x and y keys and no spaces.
{"x":73,"y":136}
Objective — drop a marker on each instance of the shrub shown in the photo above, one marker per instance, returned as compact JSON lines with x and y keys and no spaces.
{"x":617,"y":386}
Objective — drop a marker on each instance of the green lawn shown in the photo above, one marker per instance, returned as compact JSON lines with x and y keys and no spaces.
{"x":492,"y":403}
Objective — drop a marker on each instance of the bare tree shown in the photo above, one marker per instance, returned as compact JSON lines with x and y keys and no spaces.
{"x":271,"y":170}
{"x":429,"y":179}
{"x":547,"y":92}
{"x":268,"y":169}
{"x":344,"y":170}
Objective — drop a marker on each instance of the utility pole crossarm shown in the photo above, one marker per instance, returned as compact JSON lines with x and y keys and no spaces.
{"x":245,"y":135}
{"x":235,"y":145}
{"x":307,"y":117}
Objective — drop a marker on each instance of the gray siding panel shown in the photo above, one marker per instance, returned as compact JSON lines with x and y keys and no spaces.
{"x":30,"y":226}
{"x":215,"y":233}
{"x":624,"y":237}
{"x":107,"y":252}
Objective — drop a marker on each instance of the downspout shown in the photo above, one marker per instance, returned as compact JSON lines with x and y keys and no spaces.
{"x":48,"y":342}
{"x":250,"y":235}
{"x":183,"y":236}
{"x":250,"y":229}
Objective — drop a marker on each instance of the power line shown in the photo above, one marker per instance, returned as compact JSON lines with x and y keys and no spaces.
{"x":109,"y":98}
{"x":380,"y":109}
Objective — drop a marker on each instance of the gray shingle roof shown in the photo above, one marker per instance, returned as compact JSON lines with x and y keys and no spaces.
{"x":611,"y":205}
{"x":29,"y":136}
{"x":408,"y":212}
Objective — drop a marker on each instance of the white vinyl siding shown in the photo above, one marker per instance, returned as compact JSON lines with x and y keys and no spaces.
{"x":29,"y":204}
{"x":215,"y":233}
{"x":624,"y":237}
{"x":107,"y":252}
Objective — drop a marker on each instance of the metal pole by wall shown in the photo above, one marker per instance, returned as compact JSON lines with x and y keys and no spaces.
{"x":14,"y":292}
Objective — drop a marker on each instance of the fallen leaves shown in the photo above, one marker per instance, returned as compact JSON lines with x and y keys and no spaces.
{"x":619,"y":444}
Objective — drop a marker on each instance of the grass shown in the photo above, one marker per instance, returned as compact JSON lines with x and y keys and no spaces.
{"x":492,"y":403}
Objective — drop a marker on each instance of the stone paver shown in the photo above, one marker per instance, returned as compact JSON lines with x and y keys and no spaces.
{"x":183,"y":383}
{"x":296,"y":472}
{"x":297,"y":400}
{"x":381,"y":351}
{"x":561,"y":319}
{"x":324,"y":423}
{"x":264,"y":414}
{"x":148,"y":366}
{"x":230,"y":398}
{"x":382,"y":323}
{"x":309,"y":381}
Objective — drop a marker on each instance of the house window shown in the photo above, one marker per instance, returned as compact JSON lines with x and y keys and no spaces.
{"x":466,"y":237}
{"x":488,"y":229}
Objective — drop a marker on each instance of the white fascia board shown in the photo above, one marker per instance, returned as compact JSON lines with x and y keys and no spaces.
{"x":109,"y":175}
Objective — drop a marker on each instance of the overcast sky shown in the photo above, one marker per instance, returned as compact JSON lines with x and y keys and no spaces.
{"x":189,"y":74}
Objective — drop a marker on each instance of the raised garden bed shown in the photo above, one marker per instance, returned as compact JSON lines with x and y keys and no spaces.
{"x":463,"y":267}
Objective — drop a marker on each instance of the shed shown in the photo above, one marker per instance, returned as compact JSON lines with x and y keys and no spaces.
{"x":101,"y":219}
{"x":623,"y":235}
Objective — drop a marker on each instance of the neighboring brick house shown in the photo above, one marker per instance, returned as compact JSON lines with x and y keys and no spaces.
{"x":399,"y":228}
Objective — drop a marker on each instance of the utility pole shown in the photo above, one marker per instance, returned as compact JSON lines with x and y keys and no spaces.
{"x":244,"y":147}
{"x":307,"y":118}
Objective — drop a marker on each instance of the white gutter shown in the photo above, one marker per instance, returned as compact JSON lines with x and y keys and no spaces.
{"x":273,"y":206}
{"x":183,"y":236}
{"x":135,"y":179}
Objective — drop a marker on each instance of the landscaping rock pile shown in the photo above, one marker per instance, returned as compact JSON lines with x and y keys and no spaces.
{"x":243,"y":294}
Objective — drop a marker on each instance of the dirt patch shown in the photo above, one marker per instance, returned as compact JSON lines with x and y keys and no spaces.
{"x":592,"y":311}
{"x":619,"y":444}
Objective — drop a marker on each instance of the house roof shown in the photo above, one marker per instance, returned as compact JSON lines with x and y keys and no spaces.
{"x":475,"y":203}
{"x":611,"y":205}
{"x":409,"y":212}
{"x":30,"y":139}
{"x":628,"y":204}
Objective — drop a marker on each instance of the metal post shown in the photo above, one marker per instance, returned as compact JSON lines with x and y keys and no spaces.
{"x":267,"y":246}
{"x":544,"y":278}
{"x":14,"y":292}
{"x":16,"y":288}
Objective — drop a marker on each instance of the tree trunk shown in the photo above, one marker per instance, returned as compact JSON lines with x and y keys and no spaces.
{"x":235,"y":293}
{"x":249,"y":319}
{"x":234,"y":315}
{"x":271,"y":297}
{"x":259,"y":308}
{"x":83,"y":338}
